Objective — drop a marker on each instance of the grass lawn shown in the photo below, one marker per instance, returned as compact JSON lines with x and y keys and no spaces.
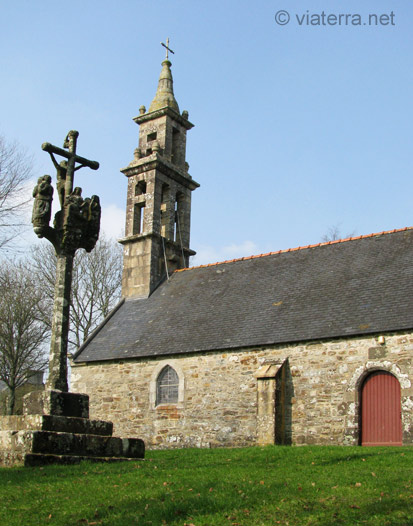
{"x":251,"y":486}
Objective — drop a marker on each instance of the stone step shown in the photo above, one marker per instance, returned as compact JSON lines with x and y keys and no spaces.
{"x":50,"y":442}
{"x":86,"y":445}
{"x":67,"y":424}
{"x":39,"y":459}
{"x":16,"y":445}
{"x":50,"y":402}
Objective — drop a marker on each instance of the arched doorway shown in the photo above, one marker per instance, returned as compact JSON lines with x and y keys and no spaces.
{"x":381,"y":423}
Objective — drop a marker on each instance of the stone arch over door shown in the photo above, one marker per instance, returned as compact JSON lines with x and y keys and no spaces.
{"x":380,"y":416}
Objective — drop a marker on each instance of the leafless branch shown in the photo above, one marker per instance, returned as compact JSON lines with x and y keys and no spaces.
{"x":96,"y":282}
{"x":22,"y":330}
{"x":15,"y":171}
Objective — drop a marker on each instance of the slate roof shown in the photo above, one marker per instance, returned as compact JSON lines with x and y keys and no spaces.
{"x":351,"y":287}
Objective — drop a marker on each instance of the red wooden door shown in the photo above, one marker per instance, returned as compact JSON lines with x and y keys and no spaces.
{"x":381,"y":423}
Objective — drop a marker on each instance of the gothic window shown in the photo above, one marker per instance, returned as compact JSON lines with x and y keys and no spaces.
{"x":167,"y":385}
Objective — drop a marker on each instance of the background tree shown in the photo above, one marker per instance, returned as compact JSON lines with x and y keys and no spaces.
{"x":23,"y":333}
{"x":96,"y":285}
{"x":334,"y":233}
{"x":15,"y":171}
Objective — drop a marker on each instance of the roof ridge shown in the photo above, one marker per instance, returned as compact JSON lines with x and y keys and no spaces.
{"x":316,"y":245}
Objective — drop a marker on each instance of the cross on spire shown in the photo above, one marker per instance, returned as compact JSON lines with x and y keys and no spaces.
{"x":166,"y":46}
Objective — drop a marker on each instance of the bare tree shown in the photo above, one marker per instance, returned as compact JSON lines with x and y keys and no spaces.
{"x":334,"y":233}
{"x":15,"y":171}
{"x":95,"y":287}
{"x":22,"y":330}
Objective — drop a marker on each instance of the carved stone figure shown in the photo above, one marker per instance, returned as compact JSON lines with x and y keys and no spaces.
{"x":92,"y":216}
{"x":42,"y":206}
{"x":74,"y":203}
{"x":74,"y":222}
{"x":61,"y":171}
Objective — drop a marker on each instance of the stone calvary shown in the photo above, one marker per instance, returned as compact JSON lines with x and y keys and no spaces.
{"x":55,"y":425}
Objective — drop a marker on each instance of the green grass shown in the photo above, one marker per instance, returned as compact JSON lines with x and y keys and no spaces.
{"x":252,"y":486}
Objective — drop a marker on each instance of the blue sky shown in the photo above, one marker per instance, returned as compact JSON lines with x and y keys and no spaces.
{"x":297,"y":127}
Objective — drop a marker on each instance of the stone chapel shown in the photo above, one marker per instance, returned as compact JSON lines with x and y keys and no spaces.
{"x":312,"y":345}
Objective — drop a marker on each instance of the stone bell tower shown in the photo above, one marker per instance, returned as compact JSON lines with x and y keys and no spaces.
{"x":158,"y":209}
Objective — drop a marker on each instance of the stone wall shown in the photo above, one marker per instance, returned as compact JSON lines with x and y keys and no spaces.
{"x":20,"y":392}
{"x":296,"y":394}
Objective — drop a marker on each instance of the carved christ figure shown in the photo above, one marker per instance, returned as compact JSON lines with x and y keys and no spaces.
{"x":61,"y":172}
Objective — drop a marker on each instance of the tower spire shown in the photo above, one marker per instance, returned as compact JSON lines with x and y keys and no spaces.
{"x":158,"y":214}
{"x":165,"y":93}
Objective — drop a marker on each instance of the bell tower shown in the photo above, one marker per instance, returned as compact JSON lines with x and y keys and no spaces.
{"x":158,"y":208}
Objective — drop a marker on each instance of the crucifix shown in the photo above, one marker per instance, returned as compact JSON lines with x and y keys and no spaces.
{"x":76,"y":225}
{"x":70,"y":143}
{"x":166,"y":46}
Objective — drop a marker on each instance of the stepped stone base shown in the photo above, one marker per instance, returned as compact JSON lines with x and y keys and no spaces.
{"x":55,"y":429}
{"x":36,"y":459}
{"x":60,"y":424}
{"x":56,"y":403}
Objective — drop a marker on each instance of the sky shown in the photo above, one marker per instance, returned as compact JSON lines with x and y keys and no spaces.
{"x":299,"y":127}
